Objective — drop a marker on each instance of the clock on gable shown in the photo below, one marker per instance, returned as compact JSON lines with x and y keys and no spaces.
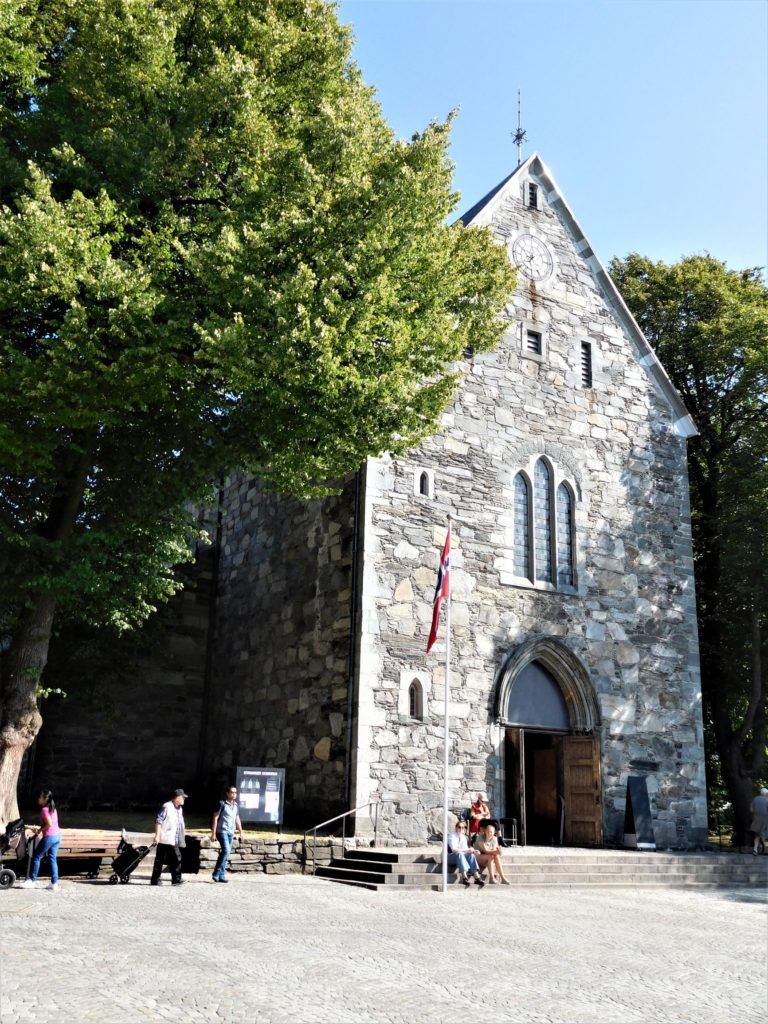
{"x":533,"y":257}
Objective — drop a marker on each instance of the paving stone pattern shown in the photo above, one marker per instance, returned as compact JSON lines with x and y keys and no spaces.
{"x":291,"y":948}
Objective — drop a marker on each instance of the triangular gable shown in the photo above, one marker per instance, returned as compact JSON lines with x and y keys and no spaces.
{"x":481,"y":214}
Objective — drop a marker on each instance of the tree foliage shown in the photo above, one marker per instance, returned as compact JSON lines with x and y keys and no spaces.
{"x":709,"y":326}
{"x":214,"y":255}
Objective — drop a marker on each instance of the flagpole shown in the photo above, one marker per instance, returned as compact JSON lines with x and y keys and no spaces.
{"x":446,"y":731}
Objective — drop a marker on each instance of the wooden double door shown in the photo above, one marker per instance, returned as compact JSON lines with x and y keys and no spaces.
{"x":553,"y":787}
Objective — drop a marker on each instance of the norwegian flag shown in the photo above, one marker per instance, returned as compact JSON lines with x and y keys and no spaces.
{"x":443,"y":588}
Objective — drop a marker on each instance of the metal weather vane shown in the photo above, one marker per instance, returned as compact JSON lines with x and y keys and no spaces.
{"x":520,"y":135}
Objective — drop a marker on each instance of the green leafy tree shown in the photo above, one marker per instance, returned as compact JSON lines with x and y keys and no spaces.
{"x":709,"y":326}
{"x":214,"y":255}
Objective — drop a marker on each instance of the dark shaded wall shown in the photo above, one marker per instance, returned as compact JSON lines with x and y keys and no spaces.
{"x":129,"y":729}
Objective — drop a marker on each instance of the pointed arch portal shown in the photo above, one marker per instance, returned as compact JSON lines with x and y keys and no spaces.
{"x":548,"y":710}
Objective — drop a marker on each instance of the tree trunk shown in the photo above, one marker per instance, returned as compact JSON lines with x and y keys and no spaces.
{"x":740,"y":787}
{"x":21,"y":719}
{"x":735,"y":768}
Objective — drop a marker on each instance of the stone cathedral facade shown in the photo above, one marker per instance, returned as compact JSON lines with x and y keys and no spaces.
{"x":574,"y":643}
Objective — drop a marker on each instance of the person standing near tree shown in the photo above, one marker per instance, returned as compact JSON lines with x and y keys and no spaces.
{"x":226,"y":819}
{"x":759,"y":826}
{"x":169,"y":838}
{"x":49,"y":844}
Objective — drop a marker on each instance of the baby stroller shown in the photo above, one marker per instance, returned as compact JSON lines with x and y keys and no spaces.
{"x":127,"y":860}
{"x":13,"y":849}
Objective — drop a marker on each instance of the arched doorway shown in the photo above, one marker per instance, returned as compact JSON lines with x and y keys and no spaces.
{"x":549,"y":715}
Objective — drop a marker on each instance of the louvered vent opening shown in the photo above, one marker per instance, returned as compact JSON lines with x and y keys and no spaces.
{"x":533,"y":196}
{"x":586,"y":364}
{"x":533,"y":342}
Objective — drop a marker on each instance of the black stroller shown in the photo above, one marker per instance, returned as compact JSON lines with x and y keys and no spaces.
{"x":127,"y":860}
{"x":13,"y":850}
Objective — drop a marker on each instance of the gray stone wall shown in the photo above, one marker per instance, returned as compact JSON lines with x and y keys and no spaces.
{"x":631,"y":616}
{"x":282,"y":646}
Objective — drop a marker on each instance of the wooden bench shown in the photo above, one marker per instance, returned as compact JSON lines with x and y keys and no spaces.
{"x":88,"y":846}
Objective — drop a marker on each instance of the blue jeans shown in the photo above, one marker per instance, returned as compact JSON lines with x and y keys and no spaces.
{"x":47,"y":847}
{"x":465,"y":862}
{"x":225,"y":842}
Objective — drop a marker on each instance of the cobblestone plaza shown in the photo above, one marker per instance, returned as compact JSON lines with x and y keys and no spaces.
{"x":294,"y":948}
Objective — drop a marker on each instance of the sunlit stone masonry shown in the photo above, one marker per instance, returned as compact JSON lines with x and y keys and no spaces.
{"x":574,"y":645}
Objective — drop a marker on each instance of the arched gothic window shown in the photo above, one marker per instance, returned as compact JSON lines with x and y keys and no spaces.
{"x":542,"y":525}
{"x":424,"y":484}
{"x":416,"y":700}
{"x":564,"y":536}
{"x":520,"y":555}
{"x":543,"y":550}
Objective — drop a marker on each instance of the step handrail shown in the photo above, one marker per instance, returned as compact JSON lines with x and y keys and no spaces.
{"x":343,"y":817}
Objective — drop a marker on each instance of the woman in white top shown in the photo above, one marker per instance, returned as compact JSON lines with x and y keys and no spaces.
{"x":489,"y":855}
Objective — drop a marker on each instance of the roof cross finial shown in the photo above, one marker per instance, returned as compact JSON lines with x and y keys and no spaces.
{"x":520,"y":135}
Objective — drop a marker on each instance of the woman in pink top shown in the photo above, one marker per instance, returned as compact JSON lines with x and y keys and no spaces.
{"x":48,"y":845}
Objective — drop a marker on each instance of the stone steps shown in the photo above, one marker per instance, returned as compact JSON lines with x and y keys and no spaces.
{"x":373,"y":869}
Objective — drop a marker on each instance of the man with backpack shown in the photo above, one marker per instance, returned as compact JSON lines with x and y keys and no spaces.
{"x":226,"y":819}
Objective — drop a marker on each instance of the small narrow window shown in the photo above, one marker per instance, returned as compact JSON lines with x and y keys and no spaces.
{"x":564,"y":537}
{"x":533,"y":342}
{"x":415,"y":700}
{"x":533,"y":196}
{"x":586,"y":364}
{"x":423,"y":482}
{"x":542,"y":530}
{"x":520,"y":556}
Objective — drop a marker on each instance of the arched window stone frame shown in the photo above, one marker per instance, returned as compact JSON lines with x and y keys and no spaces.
{"x":568,"y":670}
{"x":410,"y":678}
{"x":423,"y":482}
{"x":554,"y":546}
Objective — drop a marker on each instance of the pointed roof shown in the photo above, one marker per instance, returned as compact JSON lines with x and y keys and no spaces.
{"x":481,"y":214}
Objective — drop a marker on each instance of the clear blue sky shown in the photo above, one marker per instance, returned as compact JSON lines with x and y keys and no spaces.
{"x":651,"y":114}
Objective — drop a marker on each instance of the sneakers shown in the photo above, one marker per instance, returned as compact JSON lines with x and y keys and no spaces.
{"x":52,"y":887}
{"x":505,"y":881}
{"x":491,"y":881}
{"x":465,"y":882}
{"x":29,"y":884}
{"x":479,"y":881}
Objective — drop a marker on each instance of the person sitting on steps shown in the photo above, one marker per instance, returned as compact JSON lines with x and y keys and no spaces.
{"x":461,"y":856}
{"x":477,"y":812}
{"x":489,"y":855}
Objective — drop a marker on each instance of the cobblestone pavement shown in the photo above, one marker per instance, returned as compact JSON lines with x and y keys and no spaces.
{"x":292,"y":948}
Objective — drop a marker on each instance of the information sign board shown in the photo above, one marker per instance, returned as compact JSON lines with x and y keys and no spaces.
{"x":260,"y":793}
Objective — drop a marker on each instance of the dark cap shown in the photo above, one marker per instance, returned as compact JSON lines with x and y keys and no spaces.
{"x":179,"y":792}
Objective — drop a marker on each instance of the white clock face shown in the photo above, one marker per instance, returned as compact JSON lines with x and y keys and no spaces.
{"x":532,"y":257}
